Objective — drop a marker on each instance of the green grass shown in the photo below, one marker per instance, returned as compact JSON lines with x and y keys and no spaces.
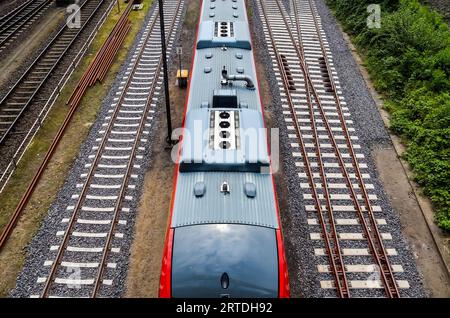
{"x":408,"y":59}
{"x":13,"y":255}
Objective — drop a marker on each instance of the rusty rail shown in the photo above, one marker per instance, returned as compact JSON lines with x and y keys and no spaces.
{"x":95,"y":163}
{"x":116,"y":37}
{"x":330,"y":237}
{"x":372,"y":234}
{"x":104,"y":57}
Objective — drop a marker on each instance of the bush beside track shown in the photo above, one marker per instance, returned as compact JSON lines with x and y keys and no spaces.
{"x":408,"y":59}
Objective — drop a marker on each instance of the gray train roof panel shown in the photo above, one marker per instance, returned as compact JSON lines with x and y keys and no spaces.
{"x":217,"y":34}
{"x":220,"y":10}
{"x":198,"y":197}
{"x":215,"y":206}
{"x":249,"y":145}
{"x":204,"y":83}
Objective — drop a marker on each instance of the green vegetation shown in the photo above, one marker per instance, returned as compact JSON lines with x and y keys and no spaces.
{"x":409,"y":61}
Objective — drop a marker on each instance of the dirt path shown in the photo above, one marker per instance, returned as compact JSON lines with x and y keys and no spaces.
{"x":415,"y":211}
{"x":414,"y":227}
{"x":151,"y":222}
{"x":8,"y":5}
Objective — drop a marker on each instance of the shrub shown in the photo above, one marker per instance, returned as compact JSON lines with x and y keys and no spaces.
{"x":409,"y":61}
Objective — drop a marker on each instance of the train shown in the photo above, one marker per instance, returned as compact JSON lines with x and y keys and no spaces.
{"x":224,"y":237}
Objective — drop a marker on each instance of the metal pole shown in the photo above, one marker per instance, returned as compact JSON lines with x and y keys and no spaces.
{"x":179,"y":58}
{"x":166,"y":77}
{"x":118,"y":6}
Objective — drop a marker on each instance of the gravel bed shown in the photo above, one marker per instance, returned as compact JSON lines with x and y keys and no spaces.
{"x":372,"y":133}
{"x":38,"y":249}
{"x":13,"y":141}
{"x":443,"y":6}
{"x":299,"y":247}
{"x":12,"y":79}
{"x":27,"y":34}
{"x":6,"y":6}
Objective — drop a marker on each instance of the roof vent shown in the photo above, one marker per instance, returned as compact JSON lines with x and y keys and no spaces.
{"x":199,"y":189}
{"x":250,"y":189}
{"x":223,"y":29}
{"x":243,"y":104}
{"x":225,"y":188}
{"x":225,"y":98}
{"x":223,"y":133}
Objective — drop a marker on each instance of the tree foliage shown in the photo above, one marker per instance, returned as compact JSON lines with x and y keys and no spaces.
{"x":409,"y":61}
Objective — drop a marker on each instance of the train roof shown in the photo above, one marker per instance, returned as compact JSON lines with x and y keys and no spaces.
{"x":241,"y":165}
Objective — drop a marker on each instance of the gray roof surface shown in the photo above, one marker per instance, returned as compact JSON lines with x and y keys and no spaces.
{"x":215,"y":206}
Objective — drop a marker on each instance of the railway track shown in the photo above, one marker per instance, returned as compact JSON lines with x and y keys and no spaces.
{"x":350,"y":245}
{"x":18,"y":98}
{"x":23,"y":94}
{"x":15,"y":22}
{"x":83,"y":260}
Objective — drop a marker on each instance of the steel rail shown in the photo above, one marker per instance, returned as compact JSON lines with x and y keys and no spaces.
{"x":36,"y":61}
{"x":11,"y":14}
{"x":27,"y":16}
{"x":27,"y":195}
{"x":381,"y":260}
{"x":376,"y":247}
{"x":103,"y":59}
{"x":6,"y":174}
{"x":72,"y":220}
{"x":333,"y":251}
{"x":340,"y":274}
{"x":129,"y":167}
